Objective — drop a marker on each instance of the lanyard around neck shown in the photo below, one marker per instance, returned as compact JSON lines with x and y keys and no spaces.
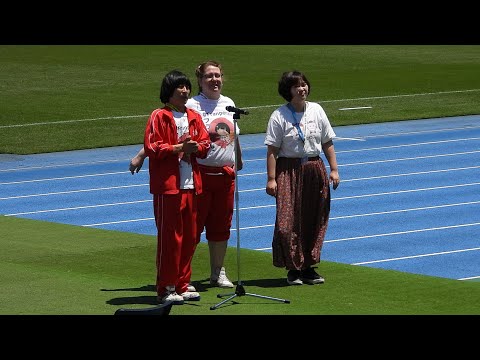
{"x":297,"y":123}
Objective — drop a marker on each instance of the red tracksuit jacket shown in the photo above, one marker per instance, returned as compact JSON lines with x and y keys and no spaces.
{"x":160,"y":136}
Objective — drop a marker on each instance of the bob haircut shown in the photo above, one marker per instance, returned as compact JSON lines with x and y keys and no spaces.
{"x":289,"y":79}
{"x":172,"y":81}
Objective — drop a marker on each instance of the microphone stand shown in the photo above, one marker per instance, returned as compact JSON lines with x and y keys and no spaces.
{"x":240,"y":290}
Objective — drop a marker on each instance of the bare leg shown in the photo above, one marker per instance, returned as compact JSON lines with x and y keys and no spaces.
{"x":218,"y":275}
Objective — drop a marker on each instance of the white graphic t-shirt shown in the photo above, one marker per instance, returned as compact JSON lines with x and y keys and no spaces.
{"x":186,"y":173}
{"x":314,"y":124}
{"x":219,"y":124}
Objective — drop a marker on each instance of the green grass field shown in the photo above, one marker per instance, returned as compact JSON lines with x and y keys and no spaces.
{"x":48,"y":269}
{"x":60,"y":98}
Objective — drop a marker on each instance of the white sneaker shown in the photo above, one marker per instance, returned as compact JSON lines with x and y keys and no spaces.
{"x":190,"y":296}
{"x":220,"y":279}
{"x":191,"y":288}
{"x":171,"y":296}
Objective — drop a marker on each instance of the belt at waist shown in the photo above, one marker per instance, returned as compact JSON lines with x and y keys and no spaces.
{"x":227,"y":170}
{"x":303,"y":159}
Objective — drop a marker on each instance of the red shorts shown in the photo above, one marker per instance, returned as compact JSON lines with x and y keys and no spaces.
{"x":215,"y":204}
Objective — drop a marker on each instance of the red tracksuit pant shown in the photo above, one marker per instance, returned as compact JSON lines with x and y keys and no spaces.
{"x":175,"y":217}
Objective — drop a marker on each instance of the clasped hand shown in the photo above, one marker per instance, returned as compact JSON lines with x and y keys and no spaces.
{"x":189,"y":146}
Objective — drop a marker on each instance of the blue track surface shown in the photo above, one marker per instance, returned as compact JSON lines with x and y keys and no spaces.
{"x":409,"y":199}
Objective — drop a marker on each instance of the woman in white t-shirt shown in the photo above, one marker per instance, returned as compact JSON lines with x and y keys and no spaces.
{"x":297,"y":133}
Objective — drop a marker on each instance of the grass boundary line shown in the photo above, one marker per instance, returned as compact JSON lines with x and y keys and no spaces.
{"x":250,"y":107}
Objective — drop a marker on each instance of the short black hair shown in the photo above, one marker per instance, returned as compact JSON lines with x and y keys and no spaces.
{"x":289,"y":79}
{"x":170,"y":82}
{"x":222,"y":125}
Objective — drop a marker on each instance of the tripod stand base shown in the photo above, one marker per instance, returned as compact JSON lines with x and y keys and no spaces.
{"x":240,"y":291}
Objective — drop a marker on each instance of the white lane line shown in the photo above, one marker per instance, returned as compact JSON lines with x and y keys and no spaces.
{"x":249,"y":160}
{"x":72,"y":191}
{"x":415,"y":256}
{"x":248,"y":190}
{"x":411,"y":158}
{"x":379,"y":161}
{"x":63,"y":165}
{"x":251,"y":208}
{"x":403,"y":232}
{"x":408,"y":145}
{"x":79,"y":207}
{"x":119,"y":222}
{"x":404,"y":191}
{"x":64,"y":178}
{"x":326,"y":241}
{"x":470,"y":278}
{"x":72,"y":121}
{"x":346,"y":138}
{"x":250,"y":174}
{"x":411,"y":174}
{"x":355,"y":108}
{"x":382,"y":193}
{"x":416,"y":132}
{"x":405,"y":210}
{"x":402,"y":95}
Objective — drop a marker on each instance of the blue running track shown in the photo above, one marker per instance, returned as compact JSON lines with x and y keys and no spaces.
{"x":409,"y":199}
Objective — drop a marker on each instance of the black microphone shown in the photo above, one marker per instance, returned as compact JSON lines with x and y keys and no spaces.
{"x":236,"y":110}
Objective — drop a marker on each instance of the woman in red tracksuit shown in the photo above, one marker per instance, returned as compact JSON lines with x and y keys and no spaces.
{"x":174,"y":137}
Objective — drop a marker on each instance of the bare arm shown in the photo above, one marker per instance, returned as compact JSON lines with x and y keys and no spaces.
{"x":329,"y":151}
{"x":239,"y":155}
{"x":272,"y":153}
{"x":137,"y":161}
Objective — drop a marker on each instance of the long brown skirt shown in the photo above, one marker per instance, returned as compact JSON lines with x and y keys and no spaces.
{"x":302,"y":212}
